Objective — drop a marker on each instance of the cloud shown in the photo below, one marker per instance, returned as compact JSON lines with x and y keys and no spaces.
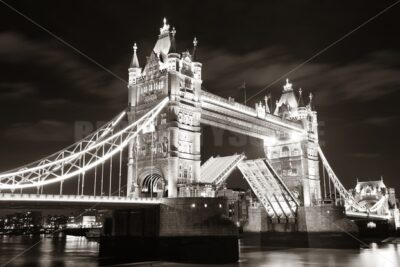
{"x":45,"y":83}
{"x":10,"y":91}
{"x":40,"y":131}
{"x":379,"y":120}
{"x":361,"y":155}
{"x":367,"y":79}
{"x":57,"y":70}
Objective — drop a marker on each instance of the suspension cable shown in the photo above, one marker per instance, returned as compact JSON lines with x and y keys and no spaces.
{"x":136,"y":164}
{"x":151,"y":157}
{"x":51,"y":167}
{"x":102,"y":174}
{"x":62,"y":181}
{"x":83,"y":176}
{"x":323,"y":174}
{"x":95,"y":180}
{"x":79,"y":176}
{"x":330,"y":190}
{"x":109,"y":187}
{"x":120,"y":173}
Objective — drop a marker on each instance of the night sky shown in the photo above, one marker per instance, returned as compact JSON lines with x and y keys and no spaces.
{"x":47,"y":88}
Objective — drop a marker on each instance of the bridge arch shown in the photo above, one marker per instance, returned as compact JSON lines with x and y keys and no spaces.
{"x":152,"y":182}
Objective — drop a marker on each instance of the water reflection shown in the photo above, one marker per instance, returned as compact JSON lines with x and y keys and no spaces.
{"x":78,"y":251}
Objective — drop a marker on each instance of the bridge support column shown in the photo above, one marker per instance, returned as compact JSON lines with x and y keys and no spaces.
{"x":322,"y":226}
{"x":132,"y":186}
{"x":192,"y":230}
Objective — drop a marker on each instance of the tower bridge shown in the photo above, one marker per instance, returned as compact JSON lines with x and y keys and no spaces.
{"x":166,"y":107}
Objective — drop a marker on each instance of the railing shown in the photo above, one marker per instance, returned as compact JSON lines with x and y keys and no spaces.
{"x":350,"y":201}
{"x":243,"y":109}
{"x":224,"y":174}
{"x":85,"y":156}
{"x":76,"y":198}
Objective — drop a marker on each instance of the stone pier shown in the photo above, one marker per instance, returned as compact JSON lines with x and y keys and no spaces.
{"x":195,"y":230}
{"x":318,"y":226}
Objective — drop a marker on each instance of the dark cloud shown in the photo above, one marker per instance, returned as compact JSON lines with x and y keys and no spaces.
{"x":41,"y":131}
{"x":361,"y":155}
{"x":364,"y":80}
{"x":380,"y":121}
{"x":15,"y":91}
{"x":57,"y":71}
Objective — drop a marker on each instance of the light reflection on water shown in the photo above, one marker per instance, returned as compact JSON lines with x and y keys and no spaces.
{"x":78,"y":251}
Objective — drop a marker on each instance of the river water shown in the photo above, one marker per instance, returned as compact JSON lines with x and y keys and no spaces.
{"x":78,"y":251}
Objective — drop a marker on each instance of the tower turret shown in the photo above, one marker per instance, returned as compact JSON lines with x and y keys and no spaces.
{"x":196,"y":65}
{"x":134,"y":68}
{"x":287,"y":104}
{"x":173,"y":55}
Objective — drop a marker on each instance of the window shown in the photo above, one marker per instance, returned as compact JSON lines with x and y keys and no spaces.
{"x":295,"y":152}
{"x":285,"y":151}
{"x":188,"y":83}
{"x":180,"y":171}
{"x":163,"y":118}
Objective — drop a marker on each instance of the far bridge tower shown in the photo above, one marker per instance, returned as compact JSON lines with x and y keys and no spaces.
{"x":295,"y":156}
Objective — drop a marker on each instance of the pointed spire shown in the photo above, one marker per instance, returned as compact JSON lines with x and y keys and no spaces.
{"x":301,"y":101}
{"x":287,"y":86}
{"x":135,"y":61}
{"x":173,"y":43}
{"x":195,"y":42}
{"x":266,"y":103}
{"x":165,"y":27}
{"x":311,"y":103}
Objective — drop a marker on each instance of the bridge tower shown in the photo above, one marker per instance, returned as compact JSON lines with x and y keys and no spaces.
{"x":295,"y":156}
{"x":167,"y":155}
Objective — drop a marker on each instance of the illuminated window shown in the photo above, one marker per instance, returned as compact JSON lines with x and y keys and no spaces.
{"x":188,"y":83}
{"x":285,"y":151}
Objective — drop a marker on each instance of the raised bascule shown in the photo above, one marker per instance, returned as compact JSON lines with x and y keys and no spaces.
{"x":157,"y":162}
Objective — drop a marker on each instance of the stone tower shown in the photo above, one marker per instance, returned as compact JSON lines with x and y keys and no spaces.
{"x":167,"y":155}
{"x":295,"y":156}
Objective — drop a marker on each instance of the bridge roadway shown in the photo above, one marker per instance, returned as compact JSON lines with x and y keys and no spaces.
{"x":368,"y":216}
{"x":9,"y":200}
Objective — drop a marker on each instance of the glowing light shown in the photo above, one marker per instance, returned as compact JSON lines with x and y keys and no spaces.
{"x":36,"y":182}
{"x":371,"y":225}
{"x":270,"y":140}
{"x":294,"y":137}
{"x":76,"y":198}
